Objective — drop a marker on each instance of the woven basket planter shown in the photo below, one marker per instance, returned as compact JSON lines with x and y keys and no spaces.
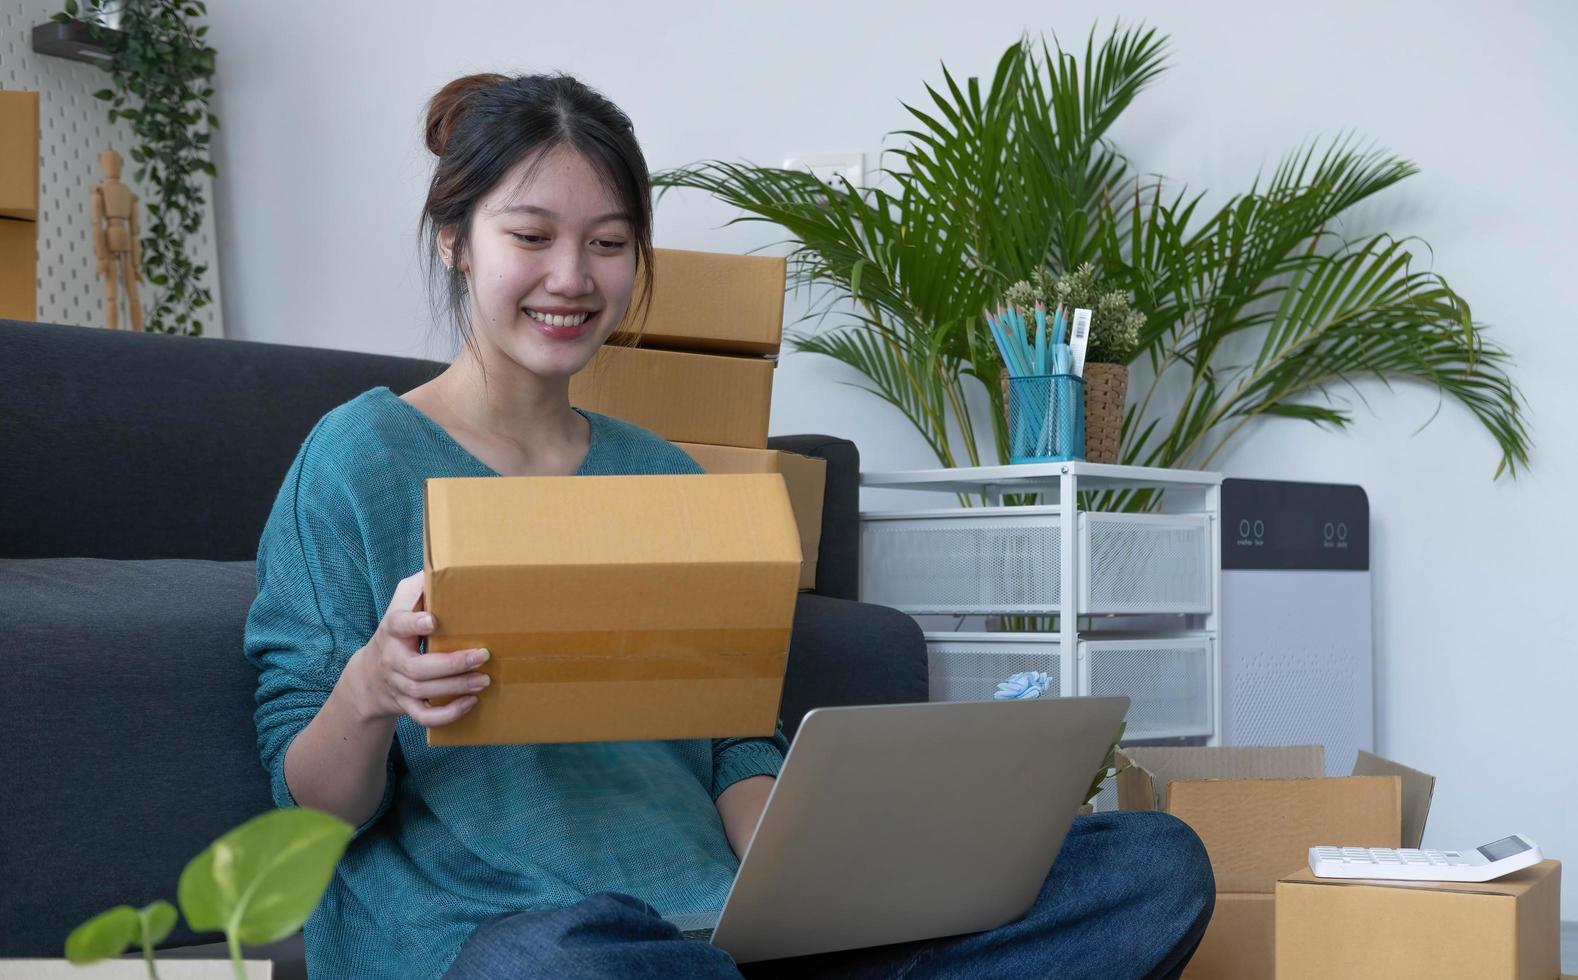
{"x":1106,"y":387}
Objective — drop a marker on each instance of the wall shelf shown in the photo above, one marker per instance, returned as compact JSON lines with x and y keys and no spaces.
{"x":70,"y":40}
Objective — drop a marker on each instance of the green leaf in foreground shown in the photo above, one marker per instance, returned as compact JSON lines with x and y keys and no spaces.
{"x":259,"y":882}
{"x":106,"y":934}
{"x":156,"y":920}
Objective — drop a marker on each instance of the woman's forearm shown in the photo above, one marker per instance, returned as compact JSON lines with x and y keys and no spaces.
{"x":740,"y":806}
{"x":339,"y":762}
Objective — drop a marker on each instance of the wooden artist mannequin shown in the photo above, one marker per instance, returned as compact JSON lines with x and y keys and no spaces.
{"x":114,"y":209}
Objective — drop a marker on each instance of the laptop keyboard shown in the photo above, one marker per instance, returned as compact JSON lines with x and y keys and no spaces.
{"x":705,"y":935}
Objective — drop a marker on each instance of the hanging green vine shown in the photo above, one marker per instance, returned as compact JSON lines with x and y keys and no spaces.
{"x":162,"y":70}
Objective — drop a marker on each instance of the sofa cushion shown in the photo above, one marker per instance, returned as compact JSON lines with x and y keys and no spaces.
{"x":127,"y":739}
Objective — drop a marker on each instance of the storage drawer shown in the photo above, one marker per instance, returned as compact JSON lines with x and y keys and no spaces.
{"x":1007,"y":561}
{"x":963,"y":561}
{"x":1145,"y":563}
{"x":969,"y":666}
{"x":1170,"y":683}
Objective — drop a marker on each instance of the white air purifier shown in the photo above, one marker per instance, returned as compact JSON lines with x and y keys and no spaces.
{"x":1297,"y":655}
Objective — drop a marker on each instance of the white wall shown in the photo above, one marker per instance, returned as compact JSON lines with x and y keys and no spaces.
{"x":323,"y":174}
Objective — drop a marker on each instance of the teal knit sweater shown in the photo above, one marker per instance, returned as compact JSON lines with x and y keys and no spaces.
{"x":462,"y":834}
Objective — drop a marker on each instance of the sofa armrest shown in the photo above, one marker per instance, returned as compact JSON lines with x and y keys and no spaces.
{"x":844,"y":653}
{"x":126,"y":736}
{"x":838,"y":561}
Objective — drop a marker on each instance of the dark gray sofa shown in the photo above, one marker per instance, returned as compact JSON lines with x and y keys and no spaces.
{"x":139,"y":470}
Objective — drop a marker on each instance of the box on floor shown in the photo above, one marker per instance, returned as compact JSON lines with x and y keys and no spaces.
{"x":614,"y":607}
{"x":1507,"y":929}
{"x":1259,"y":810}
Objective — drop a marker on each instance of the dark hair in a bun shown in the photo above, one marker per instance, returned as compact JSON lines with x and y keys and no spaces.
{"x":445,"y":108}
{"x":482,"y":126}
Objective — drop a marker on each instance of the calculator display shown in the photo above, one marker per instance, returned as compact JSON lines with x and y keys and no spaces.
{"x":1504,"y":848}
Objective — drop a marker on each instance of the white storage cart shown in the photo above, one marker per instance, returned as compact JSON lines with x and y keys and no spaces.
{"x":1137,"y":596}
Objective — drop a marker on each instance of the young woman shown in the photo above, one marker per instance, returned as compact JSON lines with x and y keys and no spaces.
{"x":558,"y":860}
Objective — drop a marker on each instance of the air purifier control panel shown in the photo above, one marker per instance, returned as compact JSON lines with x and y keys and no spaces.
{"x":1270,"y":524}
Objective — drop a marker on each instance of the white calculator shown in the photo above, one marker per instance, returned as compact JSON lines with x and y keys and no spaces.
{"x":1484,"y":863}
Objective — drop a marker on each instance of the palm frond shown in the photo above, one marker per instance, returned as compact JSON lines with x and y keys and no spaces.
{"x":996,"y":182}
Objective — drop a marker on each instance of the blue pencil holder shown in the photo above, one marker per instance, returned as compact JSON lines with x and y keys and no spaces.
{"x":1046,"y":418}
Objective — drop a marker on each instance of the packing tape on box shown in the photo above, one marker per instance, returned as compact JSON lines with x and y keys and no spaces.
{"x":671,"y":667}
{"x":599,"y":655}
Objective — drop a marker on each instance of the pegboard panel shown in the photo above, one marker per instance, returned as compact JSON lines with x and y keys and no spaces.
{"x":73,"y":130}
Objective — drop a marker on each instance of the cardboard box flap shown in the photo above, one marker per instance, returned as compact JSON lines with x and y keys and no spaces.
{"x":1144,"y":787}
{"x":711,"y":302}
{"x":1260,"y":830}
{"x":1418,"y":789}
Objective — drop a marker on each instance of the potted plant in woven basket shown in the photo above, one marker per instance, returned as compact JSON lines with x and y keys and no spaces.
{"x":1114,"y":340}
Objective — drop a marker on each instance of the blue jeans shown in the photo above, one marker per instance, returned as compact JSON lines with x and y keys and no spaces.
{"x":1129,"y":896}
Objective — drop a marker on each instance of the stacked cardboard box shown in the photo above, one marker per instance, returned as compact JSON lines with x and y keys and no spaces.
{"x":702,"y":376}
{"x":1507,"y":929}
{"x":704,"y":369}
{"x":19,"y":205}
{"x":653,"y":607}
{"x":1259,"y":811}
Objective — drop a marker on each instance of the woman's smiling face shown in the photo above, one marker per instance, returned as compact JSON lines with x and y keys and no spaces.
{"x":551,"y":264}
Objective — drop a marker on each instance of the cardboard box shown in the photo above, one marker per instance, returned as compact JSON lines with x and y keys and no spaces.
{"x":714,"y":399}
{"x":615,"y":607}
{"x":1508,"y":929}
{"x":1239,"y":941}
{"x":1259,"y":811}
{"x":19,"y":205}
{"x":19,"y":155}
{"x":805,"y":477}
{"x":711,"y":303}
{"x":18,"y":269}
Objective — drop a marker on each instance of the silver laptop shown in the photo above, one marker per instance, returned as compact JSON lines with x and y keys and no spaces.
{"x":893,"y":823}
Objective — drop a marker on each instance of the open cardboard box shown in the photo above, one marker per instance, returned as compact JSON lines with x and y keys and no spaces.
{"x":804,"y":476}
{"x":1507,"y":929}
{"x":615,"y":607}
{"x":1258,"y":811}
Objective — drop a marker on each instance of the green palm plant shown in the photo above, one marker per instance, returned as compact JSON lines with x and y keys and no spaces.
{"x":1022,"y":177}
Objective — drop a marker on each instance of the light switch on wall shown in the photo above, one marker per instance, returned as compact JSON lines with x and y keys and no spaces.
{"x":829,"y":166}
